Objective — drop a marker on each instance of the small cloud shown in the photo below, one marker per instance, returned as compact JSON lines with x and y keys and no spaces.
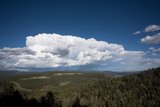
{"x":154,"y":49}
{"x":152,"y":28}
{"x":155,"y":39}
{"x":137,"y":32}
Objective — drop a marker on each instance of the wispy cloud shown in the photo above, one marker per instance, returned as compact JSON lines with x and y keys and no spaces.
{"x":155,"y":39}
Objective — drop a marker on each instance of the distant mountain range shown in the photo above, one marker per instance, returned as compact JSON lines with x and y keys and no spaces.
{"x":9,"y":73}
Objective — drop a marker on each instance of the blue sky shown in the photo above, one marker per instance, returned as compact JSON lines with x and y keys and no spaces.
{"x":113,"y":21}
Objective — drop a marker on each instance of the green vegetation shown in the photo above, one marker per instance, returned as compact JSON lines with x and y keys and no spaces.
{"x":79,"y":89}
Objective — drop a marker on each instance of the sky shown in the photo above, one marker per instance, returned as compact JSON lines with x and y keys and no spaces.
{"x":114,"y":35}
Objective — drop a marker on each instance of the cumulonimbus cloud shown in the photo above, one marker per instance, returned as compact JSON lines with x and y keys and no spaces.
{"x":54,"y":50}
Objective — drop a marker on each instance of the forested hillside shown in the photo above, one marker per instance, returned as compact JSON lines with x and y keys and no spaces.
{"x":142,"y":89}
{"x":76,"y":90}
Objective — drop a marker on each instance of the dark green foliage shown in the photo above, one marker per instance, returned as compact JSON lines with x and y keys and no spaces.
{"x":50,"y":101}
{"x":13,"y":98}
{"x":142,"y":89}
{"x":76,"y":103}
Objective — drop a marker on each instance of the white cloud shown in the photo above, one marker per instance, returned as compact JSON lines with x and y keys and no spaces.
{"x":155,"y":39}
{"x":152,"y":28}
{"x":54,"y":50}
{"x":137,"y":32}
{"x":153,"y":49}
{"x":150,"y":62}
{"x":10,"y":56}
